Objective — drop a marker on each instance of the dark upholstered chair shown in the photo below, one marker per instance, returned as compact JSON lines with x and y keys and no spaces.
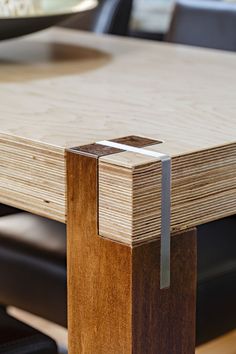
{"x":211,"y":24}
{"x":204,"y":23}
{"x":33,"y":265}
{"x":216,"y":294}
{"x":111,"y":17}
{"x":19,"y":338}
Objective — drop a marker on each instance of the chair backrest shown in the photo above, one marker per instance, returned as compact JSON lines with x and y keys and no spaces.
{"x":204,"y":23}
{"x":112,"y":16}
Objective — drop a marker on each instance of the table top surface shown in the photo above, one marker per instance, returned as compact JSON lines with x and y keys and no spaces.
{"x":66,"y":88}
{"x":62,"y":88}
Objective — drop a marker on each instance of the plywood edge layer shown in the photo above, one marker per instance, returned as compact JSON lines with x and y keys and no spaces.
{"x":32,"y":177}
{"x":203,"y":189}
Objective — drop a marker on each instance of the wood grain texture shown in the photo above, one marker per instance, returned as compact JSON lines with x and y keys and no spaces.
{"x":163,"y":321}
{"x":71,"y":88}
{"x":99,"y":271}
{"x":115,"y":305}
{"x":32,"y":177}
{"x":136,"y":141}
{"x":63,"y":88}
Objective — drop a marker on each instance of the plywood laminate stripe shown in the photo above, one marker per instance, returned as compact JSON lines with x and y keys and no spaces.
{"x":32,"y":177}
{"x":203,"y":189}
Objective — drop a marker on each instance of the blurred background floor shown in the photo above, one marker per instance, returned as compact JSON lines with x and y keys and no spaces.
{"x":223,"y":345}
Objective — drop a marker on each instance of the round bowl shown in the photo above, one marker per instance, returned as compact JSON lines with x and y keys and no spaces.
{"x":21,"y":17}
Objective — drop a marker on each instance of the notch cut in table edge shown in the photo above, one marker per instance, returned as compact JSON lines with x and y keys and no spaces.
{"x":165,"y":205}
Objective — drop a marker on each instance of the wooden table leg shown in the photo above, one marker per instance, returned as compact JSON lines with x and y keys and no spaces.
{"x":114,"y":297}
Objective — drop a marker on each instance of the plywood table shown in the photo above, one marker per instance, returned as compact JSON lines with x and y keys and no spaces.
{"x":62,"y":92}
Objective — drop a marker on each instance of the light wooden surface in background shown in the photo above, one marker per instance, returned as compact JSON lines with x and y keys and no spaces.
{"x":63,"y":88}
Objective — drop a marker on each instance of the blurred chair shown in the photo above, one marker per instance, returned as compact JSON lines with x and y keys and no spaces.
{"x":204,"y":23}
{"x":111,"y":17}
{"x":211,"y":24}
{"x":216,"y":291}
{"x":33,"y":266}
{"x":19,"y":338}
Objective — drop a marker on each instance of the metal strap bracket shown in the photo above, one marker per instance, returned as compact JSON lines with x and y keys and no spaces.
{"x":165,"y":205}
